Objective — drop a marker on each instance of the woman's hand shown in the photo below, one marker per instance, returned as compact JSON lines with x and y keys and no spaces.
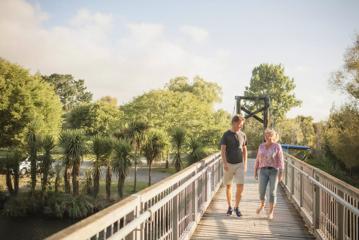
{"x":280,"y":176}
{"x":256,"y":174}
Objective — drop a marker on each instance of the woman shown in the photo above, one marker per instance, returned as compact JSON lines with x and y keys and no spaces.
{"x":271,"y":164}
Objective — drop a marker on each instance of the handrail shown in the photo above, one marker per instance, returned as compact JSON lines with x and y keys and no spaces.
{"x":330,"y":192}
{"x":170,"y":208}
{"x":328,"y":205}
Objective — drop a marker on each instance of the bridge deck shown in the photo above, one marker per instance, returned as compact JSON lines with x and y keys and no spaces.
{"x":287,"y":223}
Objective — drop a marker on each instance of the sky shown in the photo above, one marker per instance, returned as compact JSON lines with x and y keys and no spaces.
{"x":125,"y":48}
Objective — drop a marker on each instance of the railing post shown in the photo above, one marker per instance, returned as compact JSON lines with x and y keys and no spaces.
{"x":292,"y":180}
{"x":301,"y":188}
{"x":316,"y":203}
{"x":175,"y":215}
{"x":340,"y":217}
{"x":194,"y":197}
{"x":138,"y":233}
{"x":286,"y":172}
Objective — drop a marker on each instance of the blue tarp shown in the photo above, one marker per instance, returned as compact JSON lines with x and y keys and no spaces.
{"x":290,"y":146}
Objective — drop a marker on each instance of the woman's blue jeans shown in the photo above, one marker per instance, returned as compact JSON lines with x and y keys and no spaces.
{"x":268,"y":175}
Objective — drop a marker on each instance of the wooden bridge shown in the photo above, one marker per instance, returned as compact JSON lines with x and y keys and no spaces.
{"x":191,"y":205}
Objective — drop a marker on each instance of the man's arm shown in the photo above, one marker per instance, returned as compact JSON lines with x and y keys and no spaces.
{"x":224,"y":158}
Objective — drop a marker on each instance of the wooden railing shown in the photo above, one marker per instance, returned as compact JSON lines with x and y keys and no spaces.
{"x":329,"y":206}
{"x":169,"y":209}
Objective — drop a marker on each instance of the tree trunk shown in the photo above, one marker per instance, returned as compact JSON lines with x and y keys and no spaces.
{"x":108,"y":182}
{"x":167,"y":160}
{"x":67,"y":179}
{"x":9,"y":181}
{"x":44,"y":178}
{"x":149,"y":174}
{"x":33,"y":172}
{"x":75,"y":180}
{"x":121,"y":181}
{"x":96,"y":181}
{"x":135,"y":172}
{"x":16,"y":179}
{"x":57,"y":181}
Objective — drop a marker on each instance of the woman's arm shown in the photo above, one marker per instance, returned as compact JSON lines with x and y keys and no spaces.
{"x":280,"y":162}
{"x":256,"y":164}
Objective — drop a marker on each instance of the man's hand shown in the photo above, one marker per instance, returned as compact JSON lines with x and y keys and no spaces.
{"x":225,"y":166}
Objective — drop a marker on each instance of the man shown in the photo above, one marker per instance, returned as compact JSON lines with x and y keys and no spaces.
{"x":234,"y":156}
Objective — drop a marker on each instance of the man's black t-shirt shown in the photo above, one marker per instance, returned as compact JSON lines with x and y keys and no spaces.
{"x":234,"y":142}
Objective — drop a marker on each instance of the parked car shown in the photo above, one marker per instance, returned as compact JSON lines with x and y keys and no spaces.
{"x":25,"y":166}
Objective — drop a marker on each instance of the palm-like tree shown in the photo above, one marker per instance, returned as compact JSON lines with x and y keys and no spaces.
{"x":74,"y":145}
{"x":153,"y":148}
{"x":137,"y":132}
{"x":101,"y":148}
{"x":178,"y":139}
{"x":32,"y":146}
{"x":121,"y":162}
{"x":48,"y":144}
{"x":197,"y":151}
{"x":65,"y":142}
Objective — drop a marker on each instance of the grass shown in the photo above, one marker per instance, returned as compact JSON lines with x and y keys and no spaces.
{"x":128,"y":189}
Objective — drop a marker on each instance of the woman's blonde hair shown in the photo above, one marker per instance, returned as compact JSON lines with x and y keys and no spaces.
{"x":273,"y":133}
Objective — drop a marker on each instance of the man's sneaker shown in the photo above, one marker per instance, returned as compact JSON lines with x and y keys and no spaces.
{"x":238,"y":213}
{"x":229,"y":211}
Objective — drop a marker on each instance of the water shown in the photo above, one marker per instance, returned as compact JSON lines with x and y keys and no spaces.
{"x":31,"y":228}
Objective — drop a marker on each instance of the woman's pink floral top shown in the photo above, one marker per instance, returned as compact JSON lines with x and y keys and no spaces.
{"x":271,"y":157}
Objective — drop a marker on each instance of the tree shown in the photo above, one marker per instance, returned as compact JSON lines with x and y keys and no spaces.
{"x":342,"y":135}
{"x":48,"y":144}
{"x":74,"y":146}
{"x":26,"y":102}
{"x":95,"y":118}
{"x":207,"y":92}
{"x":197,"y":151}
{"x":347,"y":79}
{"x":307,"y":128}
{"x":270,"y":80}
{"x":121,"y":163}
{"x":33,"y":145}
{"x":136,"y":132}
{"x":178,"y":141}
{"x":72,"y":92}
{"x":101,"y":148}
{"x":153,"y":148}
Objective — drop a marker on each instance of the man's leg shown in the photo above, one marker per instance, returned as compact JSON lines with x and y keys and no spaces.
{"x":238,"y":194}
{"x":229,"y":194}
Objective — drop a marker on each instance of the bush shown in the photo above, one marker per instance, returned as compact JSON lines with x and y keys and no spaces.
{"x":62,"y":205}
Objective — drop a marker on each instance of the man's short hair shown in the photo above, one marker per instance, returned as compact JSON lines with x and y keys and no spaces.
{"x":238,"y":118}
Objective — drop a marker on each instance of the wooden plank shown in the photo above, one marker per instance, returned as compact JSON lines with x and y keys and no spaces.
{"x":287,"y":223}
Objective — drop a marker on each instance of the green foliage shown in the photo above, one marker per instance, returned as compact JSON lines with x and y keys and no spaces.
{"x":22,"y":205}
{"x":26,"y":101}
{"x":342,"y":135}
{"x":270,"y":80}
{"x":62,"y":205}
{"x":152,"y":149}
{"x":48,"y":144}
{"x":74,"y":147}
{"x":178,"y":140}
{"x":102,"y":148}
{"x":197,"y":150}
{"x":207,"y":92}
{"x":347,"y":79}
{"x":100,"y":117}
{"x":71,"y":92}
{"x":121,"y":163}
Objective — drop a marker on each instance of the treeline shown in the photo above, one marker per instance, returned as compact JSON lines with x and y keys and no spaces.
{"x":53,"y":122}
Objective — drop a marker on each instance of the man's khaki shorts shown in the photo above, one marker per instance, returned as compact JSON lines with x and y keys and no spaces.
{"x":235,"y":172}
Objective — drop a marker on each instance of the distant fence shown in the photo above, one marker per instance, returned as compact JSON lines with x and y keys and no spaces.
{"x":169,"y":209}
{"x":329,"y":206}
